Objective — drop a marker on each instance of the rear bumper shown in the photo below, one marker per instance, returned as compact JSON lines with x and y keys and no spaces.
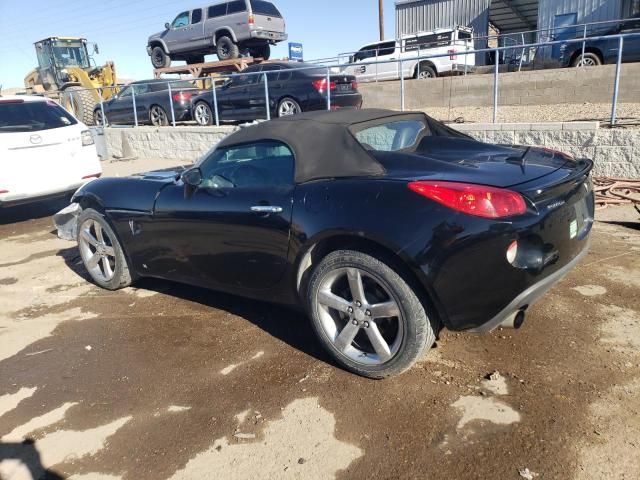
{"x":337,"y":102}
{"x":530,"y":295}
{"x":461,"y":67}
{"x":269,"y":35}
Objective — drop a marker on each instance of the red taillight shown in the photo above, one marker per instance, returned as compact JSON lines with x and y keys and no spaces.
{"x":181,"y":96}
{"x":321,"y":85}
{"x":4,"y":191}
{"x":478,"y":200}
{"x":252,"y":20}
{"x":93,"y":175}
{"x":12,"y":100}
{"x":354,"y":85}
{"x":452,"y":54}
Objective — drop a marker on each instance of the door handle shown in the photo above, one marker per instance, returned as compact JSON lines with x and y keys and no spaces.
{"x":266,"y":209}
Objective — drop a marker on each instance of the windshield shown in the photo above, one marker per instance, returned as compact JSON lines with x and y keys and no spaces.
{"x":261,"y":7}
{"x":21,"y":116}
{"x":70,"y":54}
{"x":391,"y":136}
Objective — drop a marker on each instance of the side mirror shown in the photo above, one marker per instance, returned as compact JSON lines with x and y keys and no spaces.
{"x":167,"y":26}
{"x":96,"y":49}
{"x":352,"y":58}
{"x":192,"y":177}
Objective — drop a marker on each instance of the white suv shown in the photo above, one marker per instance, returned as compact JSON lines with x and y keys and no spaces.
{"x":452,"y":42}
{"x":45,"y":151}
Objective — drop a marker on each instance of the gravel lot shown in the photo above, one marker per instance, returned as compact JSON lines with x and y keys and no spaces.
{"x":163,"y":381}
{"x":628,"y":113}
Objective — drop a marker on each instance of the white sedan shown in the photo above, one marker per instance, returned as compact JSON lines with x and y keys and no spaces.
{"x":45,"y":151}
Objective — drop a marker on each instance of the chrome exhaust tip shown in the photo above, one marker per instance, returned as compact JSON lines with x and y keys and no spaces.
{"x":514,"y":321}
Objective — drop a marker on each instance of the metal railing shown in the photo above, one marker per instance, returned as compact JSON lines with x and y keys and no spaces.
{"x":336,"y":69}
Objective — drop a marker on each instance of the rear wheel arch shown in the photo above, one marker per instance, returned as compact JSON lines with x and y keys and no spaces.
{"x":313,"y":255}
{"x":224,"y":32}
{"x":593,"y":50}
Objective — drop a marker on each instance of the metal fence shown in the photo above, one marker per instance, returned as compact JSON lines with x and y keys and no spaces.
{"x":336,"y":69}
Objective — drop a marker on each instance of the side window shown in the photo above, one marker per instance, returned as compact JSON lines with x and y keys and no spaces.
{"x":125,"y":92}
{"x":244,"y":79}
{"x":256,"y":165}
{"x":182,"y":20}
{"x":236,"y":7}
{"x":141,"y":88}
{"x":387,"y":48}
{"x":196,"y":16}
{"x":366,"y":52}
{"x":271,"y":71}
{"x":217,"y":10}
{"x":284,"y":75}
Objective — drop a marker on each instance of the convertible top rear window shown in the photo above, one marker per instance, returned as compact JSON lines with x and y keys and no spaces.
{"x":391,"y":136}
{"x":22,"y":116}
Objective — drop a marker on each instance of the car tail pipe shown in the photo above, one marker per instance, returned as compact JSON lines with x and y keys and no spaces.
{"x":515,"y":320}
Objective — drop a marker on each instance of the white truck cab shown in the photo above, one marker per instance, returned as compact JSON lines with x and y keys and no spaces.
{"x":453,"y":42}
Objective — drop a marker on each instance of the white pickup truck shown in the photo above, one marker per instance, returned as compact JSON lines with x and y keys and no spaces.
{"x":453,"y":42}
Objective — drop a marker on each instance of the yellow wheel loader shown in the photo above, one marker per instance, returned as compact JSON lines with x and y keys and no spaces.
{"x":65,"y":73}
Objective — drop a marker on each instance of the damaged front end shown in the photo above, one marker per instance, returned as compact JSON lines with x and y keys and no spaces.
{"x":66,"y":221}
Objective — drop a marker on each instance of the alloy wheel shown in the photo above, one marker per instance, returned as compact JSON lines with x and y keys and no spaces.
{"x":97,"y":251}
{"x":98,"y":119}
{"x":425,"y":74}
{"x":288,"y":107}
{"x":158,"y":116}
{"x":587,"y":62}
{"x":202,"y":114}
{"x":360,"y":316}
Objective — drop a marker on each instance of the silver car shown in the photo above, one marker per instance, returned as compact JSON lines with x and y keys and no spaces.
{"x":229,"y":29}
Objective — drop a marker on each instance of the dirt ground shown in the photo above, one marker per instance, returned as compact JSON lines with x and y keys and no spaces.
{"x":164,"y":381}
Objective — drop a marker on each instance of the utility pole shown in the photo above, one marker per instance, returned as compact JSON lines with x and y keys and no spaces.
{"x":381,"y":17}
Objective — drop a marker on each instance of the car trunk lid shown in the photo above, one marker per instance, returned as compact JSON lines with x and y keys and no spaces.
{"x":466,"y":160}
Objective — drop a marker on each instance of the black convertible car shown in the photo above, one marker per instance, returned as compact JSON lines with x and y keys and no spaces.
{"x":383,"y":226}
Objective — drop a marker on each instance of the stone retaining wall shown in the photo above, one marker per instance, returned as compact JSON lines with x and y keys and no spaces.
{"x":540,"y":87}
{"x":616,"y":152}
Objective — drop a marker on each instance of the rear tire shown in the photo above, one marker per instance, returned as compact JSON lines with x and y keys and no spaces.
{"x":226,"y":49}
{"x":101,"y":252}
{"x":263,"y":51}
{"x":80,"y":103}
{"x":287,"y":107}
{"x":158,"y":116}
{"x":159,"y":59}
{"x":202,"y":114}
{"x":590,"y":60}
{"x":379,"y":332}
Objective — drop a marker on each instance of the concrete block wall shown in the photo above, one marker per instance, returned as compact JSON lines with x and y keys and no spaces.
{"x":616,"y":152}
{"x":541,"y":87}
{"x":180,"y":143}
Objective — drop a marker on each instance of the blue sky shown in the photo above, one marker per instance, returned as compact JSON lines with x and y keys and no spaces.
{"x":121,"y":28}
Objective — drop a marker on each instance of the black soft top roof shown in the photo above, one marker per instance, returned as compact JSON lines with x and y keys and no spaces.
{"x":322,"y":142}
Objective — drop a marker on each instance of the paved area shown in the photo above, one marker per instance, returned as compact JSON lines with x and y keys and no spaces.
{"x":164,"y":381}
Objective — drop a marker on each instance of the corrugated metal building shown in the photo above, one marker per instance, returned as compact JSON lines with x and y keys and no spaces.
{"x":547,"y":17}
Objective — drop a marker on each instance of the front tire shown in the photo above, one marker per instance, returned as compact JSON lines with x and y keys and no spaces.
{"x":226,"y":49}
{"x":425,"y":71}
{"x":99,"y":120}
{"x":101,"y":252}
{"x":80,"y":103}
{"x":202,"y":114}
{"x":159,"y":59}
{"x":366,"y":315}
